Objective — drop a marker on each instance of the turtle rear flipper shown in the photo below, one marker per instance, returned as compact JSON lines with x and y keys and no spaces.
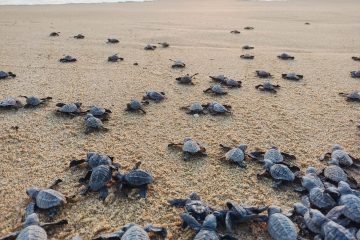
{"x":11,"y":236}
{"x":161,"y":231}
{"x":30,"y":209}
{"x":12,"y":74}
{"x":257,"y":155}
{"x":50,"y":225}
{"x":177,"y":202}
{"x":191,"y":222}
{"x":74,"y":163}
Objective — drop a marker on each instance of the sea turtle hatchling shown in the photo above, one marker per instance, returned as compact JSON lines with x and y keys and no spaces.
{"x":33,"y":229}
{"x":235,"y":32}
{"x":321,"y":198}
{"x":99,"y":112}
{"x":280,"y":225}
{"x":310,"y":180}
{"x":79,"y":36}
{"x":93,"y":123}
{"x":54,"y":34}
{"x":187,"y":79}
{"x":263,"y":74}
{"x":189,"y":148}
{"x":273,"y":154}
{"x":333,"y":174}
{"x":115,"y":58}
{"x":134,"y":232}
{"x":350,"y":202}
{"x":33,"y":101}
{"x":355,"y":74}
{"x":351,"y":97}
{"x":219,"y":78}
{"x":356,"y":58}
{"x":150,"y":47}
{"x":232,"y":83}
{"x":247,"y":56}
{"x":67,"y":59}
{"x":94,"y":159}
{"x":249,"y":28}
{"x":177,"y":64}
{"x":216,"y":108}
{"x":339,"y":156}
{"x":4,"y":75}
{"x":216,"y":90}
{"x":134,"y":105}
{"x":235,"y":155}
{"x":10,"y":103}
{"x":71,"y":109}
{"x":154,"y":96}
{"x":267,"y":87}
{"x":194,"y":108}
{"x":285,"y":56}
{"x":247,"y":47}
{"x":136,"y":178}
{"x":292,"y":76}
{"x":164,"y":44}
{"x":112,"y":40}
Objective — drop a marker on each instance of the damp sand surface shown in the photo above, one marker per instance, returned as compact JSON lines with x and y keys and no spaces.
{"x":304,"y":118}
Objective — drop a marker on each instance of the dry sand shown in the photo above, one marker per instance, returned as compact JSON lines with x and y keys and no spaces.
{"x":304,"y":118}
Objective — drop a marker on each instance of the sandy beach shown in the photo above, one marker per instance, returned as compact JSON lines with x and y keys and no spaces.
{"x":304,"y":118}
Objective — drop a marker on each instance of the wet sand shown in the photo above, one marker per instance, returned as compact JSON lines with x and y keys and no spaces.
{"x":304,"y":118}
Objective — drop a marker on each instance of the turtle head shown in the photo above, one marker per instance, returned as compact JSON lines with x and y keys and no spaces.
{"x":242,"y":147}
{"x":311,"y":169}
{"x":194,"y":196}
{"x":162,"y":93}
{"x":300,"y":209}
{"x":273,"y":209}
{"x":273,"y":147}
{"x":344,"y":188}
{"x":89,"y":115}
{"x":337,"y":147}
{"x":90,"y":155}
{"x":78,"y":104}
{"x":317,"y":217}
{"x":187,"y":139}
{"x":32,"y":192}
{"x":32,"y":219}
{"x":267,"y":164}
{"x":210,"y":222}
{"x":333,"y":162}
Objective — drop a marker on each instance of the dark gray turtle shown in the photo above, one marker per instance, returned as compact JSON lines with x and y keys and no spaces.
{"x":301,"y":214}
{"x":164,"y":44}
{"x":247,"y":56}
{"x":68,"y":59}
{"x":155,"y":96}
{"x":267,"y":87}
{"x":350,"y":202}
{"x":94,"y":159}
{"x":71,"y":109}
{"x":4,"y":75}
{"x":79,"y":36}
{"x":356,"y":58}
{"x":263,"y":74}
{"x":273,"y":154}
{"x":33,"y":101}
{"x":150,"y":47}
{"x":280,"y":172}
{"x":115,"y":58}
{"x":112,"y":40}
{"x":292,"y":76}
{"x":321,"y":198}
{"x":187,"y":79}
{"x":247,"y":47}
{"x":194,"y":206}
{"x":10,"y":103}
{"x":134,"y":232}
{"x":206,"y":231}
{"x":231,"y":83}
{"x":33,"y":229}
{"x":355,"y":74}
{"x":45,"y":199}
{"x":285,"y":56}
{"x":216,"y":108}
{"x":194,"y":108}
{"x":351,"y":97}
{"x":235,"y":32}
{"x":235,"y":155}
{"x":310,"y":181}
{"x":216,"y":90}
{"x":177,"y":64}
{"x":190,"y":148}
{"x":280,"y":227}
{"x":136,"y":178}
{"x":249,"y":28}
{"x":54,"y":34}
{"x":334,"y":174}
{"x":135,"y":105}
{"x":220,"y":78}
{"x":99,"y":112}
{"x":340,"y":157}
{"x":93,"y":124}
{"x":307,"y":23}
{"x":97,"y":180}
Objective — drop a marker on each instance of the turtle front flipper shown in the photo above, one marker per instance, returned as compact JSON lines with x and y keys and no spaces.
{"x":30,"y":209}
{"x":74,"y":163}
{"x":143,"y":191}
{"x":288,"y":156}
{"x":54,"y":224}
{"x":191,"y":221}
{"x":257,"y":155}
{"x":277,"y":184}
{"x":85,"y":179}
{"x":177,"y":202}
{"x":11,"y":236}
{"x":160,"y":231}
{"x":224,"y":147}
{"x":142,"y":110}
{"x":55,"y":183}
{"x":229,"y":219}
{"x":52,"y":212}
{"x":103,"y":193}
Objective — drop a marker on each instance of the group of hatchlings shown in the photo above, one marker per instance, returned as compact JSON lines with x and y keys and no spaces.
{"x":329,"y":208}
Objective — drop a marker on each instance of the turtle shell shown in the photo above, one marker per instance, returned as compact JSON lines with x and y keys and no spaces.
{"x":291,"y":75}
{"x":282,"y":172}
{"x":3,"y":74}
{"x":274,"y":155}
{"x":138,"y":178}
{"x":191,"y":146}
{"x":178,"y":64}
{"x":280,"y":226}
{"x":235,"y":155}
{"x":355,"y":74}
{"x":217,"y":89}
{"x":32,"y":232}
{"x":100,"y":176}
{"x":135,"y":232}
{"x":69,"y":108}
{"x":98,"y":159}
{"x":334,"y":231}
{"x":93,"y":122}
{"x":268,"y":86}
{"x":198,"y":209}
{"x":321,"y":199}
{"x":311,"y":180}
{"x":185,"y":79}
{"x":342,"y":157}
{"x":49,"y":198}
{"x":205,"y":234}
{"x":232,"y":83}
{"x":135,"y":104}
{"x":354,"y":95}
{"x":155,"y":96}
{"x":217,"y":108}
{"x":335,"y":173}
{"x":196,"y":107}
{"x":263,"y":73}
{"x":352,"y":207}
{"x":9,"y":102}
{"x":219,"y":78}
{"x":97,"y":111}
{"x":33,"y":101}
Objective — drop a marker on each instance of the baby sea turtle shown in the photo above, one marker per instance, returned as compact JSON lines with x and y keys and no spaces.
{"x":194,"y":206}
{"x":136,"y":178}
{"x":219,"y":78}
{"x":267,"y":87}
{"x":45,"y":199}
{"x":150,"y":47}
{"x":355,"y":74}
{"x":292,"y":76}
{"x":4,"y":75}
{"x":301,"y":215}
{"x":351,"y":97}
{"x":79,"y":36}
{"x":232,"y":83}
{"x":280,"y":225}
{"x":247,"y":56}
{"x":115,"y":58}
{"x":216,"y":108}
{"x":99,"y":112}
{"x":93,"y":124}
{"x":235,"y":32}
{"x":334,"y":174}
{"x":216,"y":90}
{"x":154,"y":96}
{"x":307,"y":23}
{"x":135,"y":105}
{"x":10,"y":103}
{"x":263,"y":74}
{"x":33,"y":101}
{"x":310,"y":180}
{"x":321,"y":198}
{"x":134,"y":232}
{"x":235,"y":155}
{"x":356,"y":58}
{"x":350,"y":202}
{"x":177,"y":64}
{"x":339,"y":156}
{"x":71,"y":109}
{"x":112,"y":40}
{"x":164,"y":44}
{"x":187,"y":79}
{"x":54,"y":34}
{"x":273,"y":154}
{"x":190,"y":148}
{"x":249,"y":28}
{"x":67,"y":59}
{"x":280,"y":172}
{"x":33,"y":229}
{"x":285,"y":56}
{"x":94,"y":159}
{"x":194,"y":108}
{"x":247,"y":47}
